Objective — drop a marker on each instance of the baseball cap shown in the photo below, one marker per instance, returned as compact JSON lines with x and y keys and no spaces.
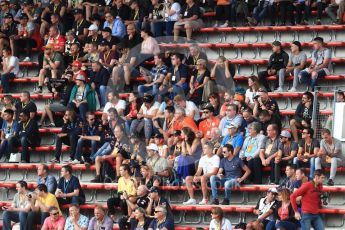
{"x":95,"y":17}
{"x":80,"y":77}
{"x":93,"y":27}
{"x":318,"y":39}
{"x":276,"y":43}
{"x":153,"y":147}
{"x":273,"y":190}
{"x":155,"y":189}
{"x":285,"y":133}
{"x":77,"y":63}
{"x":231,"y":125}
{"x":104,"y":43}
{"x":158,"y":135}
{"x":209,"y":107}
{"x":106,"y":29}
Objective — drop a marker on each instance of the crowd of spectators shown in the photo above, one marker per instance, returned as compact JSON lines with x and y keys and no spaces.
{"x":187,"y":124}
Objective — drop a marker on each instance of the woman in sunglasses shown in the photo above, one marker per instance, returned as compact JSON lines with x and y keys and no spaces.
{"x":55,"y":221}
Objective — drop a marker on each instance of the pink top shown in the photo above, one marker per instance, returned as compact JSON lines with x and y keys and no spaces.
{"x":49,"y":225}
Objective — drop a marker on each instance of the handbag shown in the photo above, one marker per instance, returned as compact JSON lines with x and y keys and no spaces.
{"x":15,"y":158}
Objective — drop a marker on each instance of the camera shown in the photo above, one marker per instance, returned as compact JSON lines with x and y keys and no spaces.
{"x":256,"y":97}
{"x":29,"y":196}
{"x":324,"y":198}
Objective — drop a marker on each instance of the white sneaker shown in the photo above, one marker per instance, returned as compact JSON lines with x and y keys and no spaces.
{"x":216,"y":24}
{"x":293,"y":89}
{"x":75,"y":162}
{"x":280,"y":89}
{"x":190,"y":201}
{"x":27,"y":59}
{"x":224,"y":25}
{"x":203,"y":202}
{"x":70,"y":160}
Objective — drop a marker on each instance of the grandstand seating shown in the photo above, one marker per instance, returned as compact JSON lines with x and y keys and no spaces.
{"x":246,"y":47}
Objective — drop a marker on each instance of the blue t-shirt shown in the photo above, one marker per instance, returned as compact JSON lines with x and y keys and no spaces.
{"x":70,"y":186}
{"x":232,"y":168}
{"x":168,"y":224}
{"x":235,"y":141}
{"x":9,"y":130}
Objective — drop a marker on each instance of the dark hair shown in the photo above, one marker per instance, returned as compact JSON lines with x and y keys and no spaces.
{"x":310,"y":131}
{"x":234,"y":106}
{"x":319,"y":172}
{"x":274,"y":127}
{"x":90,"y":113}
{"x":25,"y":113}
{"x":170,"y":109}
{"x":291,"y":166}
{"x":67,"y":168}
{"x":218,"y":211}
{"x":126,"y":168}
{"x":72,"y":111}
{"x":229,"y":147}
{"x":190,"y":134}
{"x":7,"y":49}
{"x":52,"y":208}
{"x":9,"y":97}
{"x":45,"y":167}
{"x":302,"y":170}
{"x":161,"y":56}
{"x":76,"y":44}
{"x":23,"y":184}
{"x":27,"y":93}
{"x":9,"y":112}
{"x":177,"y":55}
{"x":309,"y":95}
{"x":113,"y":110}
{"x":264,"y":113}
{"x":75,"y":205}
{"x":325,"y":131}
{"x":42,"y":188}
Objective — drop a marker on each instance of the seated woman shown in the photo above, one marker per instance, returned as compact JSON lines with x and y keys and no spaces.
{"x":140,"y":220}
{"x":83,"y":97}
{"x":284,"y":216}
{"x":190,"y":153}
{"x":199,"y":79}
{"x":18,"y":211}
{"x":127,"y":189}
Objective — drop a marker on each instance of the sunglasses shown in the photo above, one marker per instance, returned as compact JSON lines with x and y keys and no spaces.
{"x":157,"y":211}
{"x":206,"y":112}
{"x":225,"y":151}
{"x":281,"y":137}
{"x":304,"y":132}
{"x":54,"y":214}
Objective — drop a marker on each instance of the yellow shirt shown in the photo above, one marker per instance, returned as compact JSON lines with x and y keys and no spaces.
{"x":49,"y":201}
{"x":129,"y":187}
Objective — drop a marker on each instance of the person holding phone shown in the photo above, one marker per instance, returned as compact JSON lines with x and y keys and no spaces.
{"x":18,"y":211}
{"x":100,"y":221}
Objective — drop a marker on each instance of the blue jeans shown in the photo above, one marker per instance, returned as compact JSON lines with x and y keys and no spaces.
{"x":82,"y":110}
{"x":5,"y":81}
{"x":287,"y":225}
{"x":22,"y":141}
{"x":103,"y":91}
{"x":137,"y":126}
{"x":142,"y":89}
{"x":71,"y":200}
{"x":260,"y":12}
{"x":312,"y":220}
{"x":4,"y":148}
{"x":300,"y":164}
{"x":228,"y":183}
{"x":157,"y":28}
{"x":102,"y":151}
{"x":85,"y":143}
{"x":16,"y":217}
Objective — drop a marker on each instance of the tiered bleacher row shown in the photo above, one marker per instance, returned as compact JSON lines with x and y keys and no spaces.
{"x":159,"y":105}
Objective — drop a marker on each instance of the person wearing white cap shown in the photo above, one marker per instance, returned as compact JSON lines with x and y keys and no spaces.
{"x":233,"y":138}
{"x":287,"y":150}
{"x":157,"y":163}
{"x":83,"y":97}
{"x":93,"y":35}
{"x":264,"y":210}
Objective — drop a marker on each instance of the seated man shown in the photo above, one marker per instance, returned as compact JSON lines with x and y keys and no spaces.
{"x":156,"y":199}
{"x":250,"y":152}
{"x":89,"y":138}
{"x":8,"y":129}
{"x":75,"y":220}
{"x":69,"y":190}
{"x":54,"y":221}
{"x":276,"y":66}
{"x":161,"y":221}
{"x":158,"y":164}
{"x":330,"y":153}
{"x":10,"y":69}
{"x":27,"y":104}
{"x":229,"y":174}
{"x":53,"y":67}
{"x":99,"y":77}
{"x":265,"y":102}
{"x":41,"y":200}
{"x":26,"y":135}
{"x":234,"y":138}
{"x":100,"y":220}
{"x":263,"y":210}
{"x":45,"y":178}
{"x":208,"y":166}
{"x":320,"y":65}
{"x":308,"y":149}
{"x":69,"y":135}
{"x":290,"y":180}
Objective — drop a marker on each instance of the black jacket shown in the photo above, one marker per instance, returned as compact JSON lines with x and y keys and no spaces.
{"x":278,"y":61}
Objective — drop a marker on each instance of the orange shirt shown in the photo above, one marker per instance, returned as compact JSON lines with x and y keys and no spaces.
{"x":186,"y":122}
{"x":206,"y":126}
{"x":223,"y":2}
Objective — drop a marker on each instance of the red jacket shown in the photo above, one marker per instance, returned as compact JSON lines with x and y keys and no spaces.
{"x":311,"y":202}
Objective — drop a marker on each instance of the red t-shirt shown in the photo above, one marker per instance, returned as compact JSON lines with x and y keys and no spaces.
{"x":58,"y":43}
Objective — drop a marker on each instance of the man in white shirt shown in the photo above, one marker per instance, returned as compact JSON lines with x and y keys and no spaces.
{"x":114,"y":101}
{"x":191,"y":109}
{"x":208,"y":166}
{"x":10,"y":68}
